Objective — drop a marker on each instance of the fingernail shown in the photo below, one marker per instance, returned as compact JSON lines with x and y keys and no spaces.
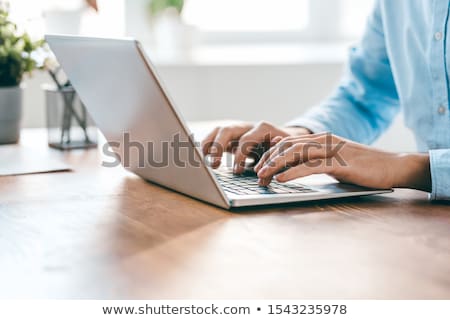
{"x":235,"y":168}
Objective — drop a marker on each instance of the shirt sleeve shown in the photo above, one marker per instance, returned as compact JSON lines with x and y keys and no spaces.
{"x":366,"y":101}
{"x":440,"y":174}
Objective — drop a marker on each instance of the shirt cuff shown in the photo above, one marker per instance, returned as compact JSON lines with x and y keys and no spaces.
{"x":440,"y":174}
{"x":311,"y":124}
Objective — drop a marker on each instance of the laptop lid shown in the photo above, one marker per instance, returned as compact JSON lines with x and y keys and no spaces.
{"x":124,"y":96}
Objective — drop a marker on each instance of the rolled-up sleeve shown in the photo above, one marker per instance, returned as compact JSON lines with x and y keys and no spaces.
{"x":440,"y":174}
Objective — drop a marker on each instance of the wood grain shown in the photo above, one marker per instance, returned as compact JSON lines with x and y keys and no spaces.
{"x":106,"y":234}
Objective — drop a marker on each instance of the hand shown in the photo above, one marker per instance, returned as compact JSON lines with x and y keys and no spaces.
{"x":242,"y":139}
{"x":344,"y":160}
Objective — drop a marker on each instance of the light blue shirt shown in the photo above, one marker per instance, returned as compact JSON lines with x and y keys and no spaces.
{"x":402,"y":62}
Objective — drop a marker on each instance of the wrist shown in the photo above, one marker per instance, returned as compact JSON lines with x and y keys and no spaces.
{"x":413,"y":172}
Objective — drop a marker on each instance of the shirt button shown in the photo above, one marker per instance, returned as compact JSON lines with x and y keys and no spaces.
{"x":438,"y":36}
{"x":442,"y":110}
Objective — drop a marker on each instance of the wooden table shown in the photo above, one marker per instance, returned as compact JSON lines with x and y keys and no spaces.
{"x":104,"y":233}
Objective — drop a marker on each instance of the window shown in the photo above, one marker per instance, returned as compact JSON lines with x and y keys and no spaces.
{"x":70,"y":16}
{"x":278,"y":20}
{"x":247,"y":15}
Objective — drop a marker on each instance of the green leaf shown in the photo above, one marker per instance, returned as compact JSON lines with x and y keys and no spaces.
{"x":158,"y":6}
{"x":15,"y":52}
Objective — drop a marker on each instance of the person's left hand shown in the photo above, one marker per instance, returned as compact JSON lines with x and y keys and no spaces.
{"x":344,"y":160}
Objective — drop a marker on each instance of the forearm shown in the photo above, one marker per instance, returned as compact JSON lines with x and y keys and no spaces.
{"x":410,"y":170}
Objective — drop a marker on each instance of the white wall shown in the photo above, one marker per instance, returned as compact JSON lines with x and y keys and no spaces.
{"x":250,"y":92}
{"x":275,"y":93}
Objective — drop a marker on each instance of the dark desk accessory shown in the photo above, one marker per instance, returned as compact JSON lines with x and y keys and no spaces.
{"x":69,"y":125}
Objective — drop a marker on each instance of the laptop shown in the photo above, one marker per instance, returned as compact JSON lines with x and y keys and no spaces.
{"x":147,"y":135}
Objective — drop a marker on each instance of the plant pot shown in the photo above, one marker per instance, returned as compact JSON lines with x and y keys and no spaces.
{"x":171,"y":36}
{"x":10,"y":114}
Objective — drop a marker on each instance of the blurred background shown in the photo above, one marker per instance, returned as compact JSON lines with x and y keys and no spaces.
{"x":220,"y":59}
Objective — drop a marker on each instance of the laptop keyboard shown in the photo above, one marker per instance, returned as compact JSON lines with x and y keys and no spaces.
{"x":247,"y":184}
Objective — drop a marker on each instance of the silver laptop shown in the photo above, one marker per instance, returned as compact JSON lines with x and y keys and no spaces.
{"x":147,"y":135}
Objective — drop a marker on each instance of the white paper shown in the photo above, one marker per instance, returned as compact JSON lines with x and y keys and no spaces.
{"x":19,"y":159}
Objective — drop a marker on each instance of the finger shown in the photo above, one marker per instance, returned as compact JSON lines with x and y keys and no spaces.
{"x":323,"y":137}
{"x":264,"y":182}
{"x":243,"y":150}
{"x":269,"y":154}
{"x":259,"y":135}
{"x":232,"y":145}
{"x":265,"y":155}
{"x":246,"y":145}
{"x":279,"y":162}
{"x":222,"y":140}
{"x":236,"y":131}
{"x":286,"y":143}
{"x":296,"y":154}
{"x":308,"y":168}
{"x":275,"y":140}
{"x":208,"y":140}
{"x":278,"y":150}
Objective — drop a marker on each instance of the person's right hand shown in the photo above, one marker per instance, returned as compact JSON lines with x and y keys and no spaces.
{"x":242,"y":139}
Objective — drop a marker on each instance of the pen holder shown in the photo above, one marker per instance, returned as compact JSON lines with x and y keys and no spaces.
{"x":69,"y":125}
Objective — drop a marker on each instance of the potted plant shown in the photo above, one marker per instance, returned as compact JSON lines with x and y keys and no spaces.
{"x":159,"y":6}
{"x":16,"y":59}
